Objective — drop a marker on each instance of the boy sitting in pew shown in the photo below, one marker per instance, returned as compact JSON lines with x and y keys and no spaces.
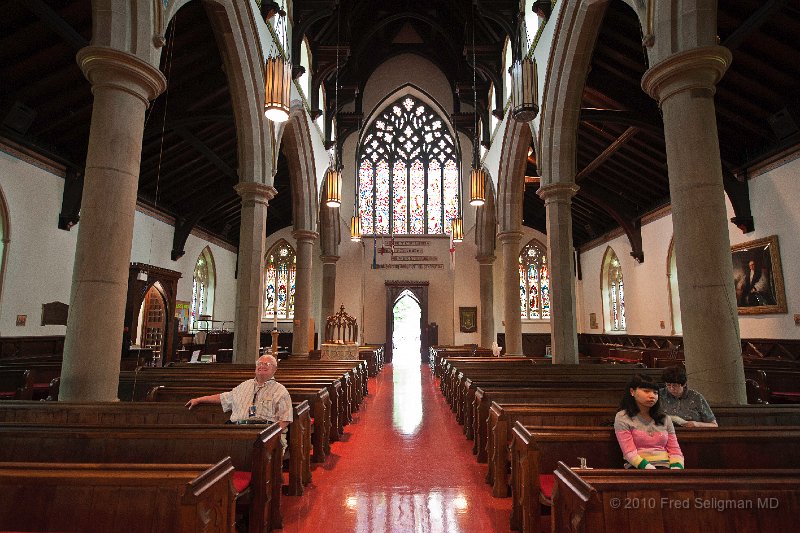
{"x":686,"y":407}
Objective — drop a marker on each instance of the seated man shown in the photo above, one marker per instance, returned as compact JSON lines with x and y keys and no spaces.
{"x":256,"y":401}
{"x":686,"y":407}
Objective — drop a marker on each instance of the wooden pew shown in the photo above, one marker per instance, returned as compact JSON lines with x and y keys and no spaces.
{"x":116,"y":414}
{"x":690,"y":501}
{"x":135,"y":385}
{"x":503,"y":416}
{"x":318,"y":399}
{"x":537,"y":449}
{"x":16,"y":384}
{"x":255,"y":453}
{"x":136,"y":498}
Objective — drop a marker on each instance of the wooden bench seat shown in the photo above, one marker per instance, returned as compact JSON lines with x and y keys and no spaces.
{"x":16,"y":384}
{"x":116,"y":414}
{"x":252,"y":449}
{"x":135,"y":498}
{"x":536,"y":451}
{"x":503,"y":416}
{"x":690,"y":501}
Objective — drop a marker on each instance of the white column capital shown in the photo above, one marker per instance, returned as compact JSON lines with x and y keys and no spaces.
{"x":509,"y":236}
{"x":255,"y":192}
{"x":305,"y":235}
{"x":698,"y":68}
{"x":557,"y":192}
{"x":110,"y":68}
{"x":329,"y":259}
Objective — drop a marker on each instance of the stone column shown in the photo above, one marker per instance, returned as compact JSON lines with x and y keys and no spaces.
{"x":509,"y":241}
{"x":303,"y":292}
{"x":250,"y":281}
{"x":488,"y":335}
{"x":328,"y":289}
{"x":684,"y":85}
{"x":123,"y":86}
{"x":563,"y":324}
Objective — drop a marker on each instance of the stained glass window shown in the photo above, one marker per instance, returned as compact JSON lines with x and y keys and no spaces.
{"x":279,"y":281}
{"x":408,"y":177}
{"x":534,"y":282}
{"x":202,"y":288}
{"x":616,"y":292}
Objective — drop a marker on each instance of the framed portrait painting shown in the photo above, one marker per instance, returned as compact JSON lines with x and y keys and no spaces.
{"x":468,"y":319}
{"x":758,"y":277}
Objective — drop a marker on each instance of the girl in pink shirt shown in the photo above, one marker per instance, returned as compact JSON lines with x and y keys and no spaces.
{"x":645,"y":434}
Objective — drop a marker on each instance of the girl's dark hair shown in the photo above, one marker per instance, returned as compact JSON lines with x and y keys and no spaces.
{"x":629,"y":405}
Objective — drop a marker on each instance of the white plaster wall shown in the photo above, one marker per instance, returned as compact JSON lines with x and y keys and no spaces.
{"x":152,"y":245}
{"x":466,"y":282}
{"x":40,"y":257}
{"x":647,"y":303}
{"x":401,"y":70}
{"x":773,"y":201}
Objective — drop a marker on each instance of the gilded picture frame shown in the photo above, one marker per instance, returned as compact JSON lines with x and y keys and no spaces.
{"x":758,"y":277}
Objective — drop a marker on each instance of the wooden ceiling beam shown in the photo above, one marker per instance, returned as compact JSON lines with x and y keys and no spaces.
{"x":753,"y":23}
{"x":57,"y":24}
{"x":607,"y":153}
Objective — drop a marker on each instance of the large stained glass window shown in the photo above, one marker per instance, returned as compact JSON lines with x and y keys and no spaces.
{"x":615,"y":292}
{"x":279,"y":282}
{"x":534,"y":282}
{"x":408,"y":173}
{"x":202,"y":289}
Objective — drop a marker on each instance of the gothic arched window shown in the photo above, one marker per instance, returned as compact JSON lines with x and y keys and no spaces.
{"x":202,"y":287}
{"x":614,"y":289}
{"x":279,"y":282}
{"x":534,"y":282}
{"x":408,"y":172}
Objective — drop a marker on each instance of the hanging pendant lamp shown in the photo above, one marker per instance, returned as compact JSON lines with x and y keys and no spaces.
{"x":477,"y":187}
{"x":458,"y":229}
{"x":524,"y":90}
{"x":333,"y":186}
{"x":278,"y":77}
{"x":355,"y":228}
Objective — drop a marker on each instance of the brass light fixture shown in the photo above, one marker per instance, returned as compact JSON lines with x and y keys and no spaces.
{"x":524,"y":80}
{"x":477,"y":180}
{"x":333,"y":176}
{"x":458,"y":229}
{"x":333,"y":186}
{"x":355,"y":228}
{"x":477,"y":187}
{"x":278,"y":79}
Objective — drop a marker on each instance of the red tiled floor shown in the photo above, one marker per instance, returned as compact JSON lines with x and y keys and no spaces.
{"x":403,"y":466}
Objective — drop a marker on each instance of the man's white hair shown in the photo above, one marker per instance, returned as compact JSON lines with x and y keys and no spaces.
{"x":266,"y":358}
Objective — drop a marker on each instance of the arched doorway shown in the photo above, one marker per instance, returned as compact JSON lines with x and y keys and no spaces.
{"x":153,"y":321}
{"x":406,"y":330}
{"x":417,"y":291}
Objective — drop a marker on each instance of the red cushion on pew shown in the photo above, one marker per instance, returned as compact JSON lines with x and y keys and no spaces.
{"x":241,"y":480}
{"x":7,"y":394}
{"x":547,"y":482}
{"x":790,"y":394}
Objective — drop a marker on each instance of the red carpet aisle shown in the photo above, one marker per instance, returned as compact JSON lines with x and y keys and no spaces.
{"x":404,"y":466}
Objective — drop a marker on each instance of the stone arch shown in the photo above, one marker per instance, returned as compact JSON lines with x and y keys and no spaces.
{"x":139,"y":28}
{"x":511,"y":175}
{"x":5,"y":238}
{"x":299,"y":151}
{"x":421,"y":94}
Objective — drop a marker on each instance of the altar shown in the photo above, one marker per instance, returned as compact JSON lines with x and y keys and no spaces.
{"x":338,"y":352}
{"x":341,"y":333}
